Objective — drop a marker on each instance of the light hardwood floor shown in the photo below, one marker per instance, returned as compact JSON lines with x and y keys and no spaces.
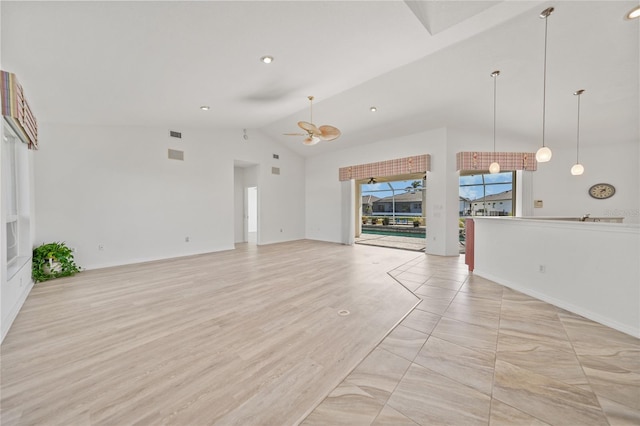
{"x":253,"y":337}
{"x":249,"y":336}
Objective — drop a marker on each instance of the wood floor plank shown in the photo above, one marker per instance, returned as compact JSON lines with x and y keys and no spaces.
{"x":248,"y":336}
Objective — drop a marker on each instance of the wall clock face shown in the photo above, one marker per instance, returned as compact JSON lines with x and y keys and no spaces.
{"x":602,"y":191}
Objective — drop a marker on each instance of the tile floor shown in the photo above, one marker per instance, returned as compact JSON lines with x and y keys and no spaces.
{"x":474,"y":352}
{"x":391,"y":241}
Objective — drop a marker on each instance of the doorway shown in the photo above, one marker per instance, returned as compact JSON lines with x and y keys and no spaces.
{"x":252,"y":215}
{"x":390,"y":212}
{"x":246,"y":203}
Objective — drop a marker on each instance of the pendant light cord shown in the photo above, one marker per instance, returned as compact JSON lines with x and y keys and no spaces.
{"x":578,"y":132}
{"x":544,"y":81}
{"x":495,"y":83}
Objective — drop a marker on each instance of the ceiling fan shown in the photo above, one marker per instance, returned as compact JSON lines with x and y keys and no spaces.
{"x":315,"y":134}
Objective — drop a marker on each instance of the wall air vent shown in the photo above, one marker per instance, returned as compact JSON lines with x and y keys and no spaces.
{"x":276,"y":156}
{"x":275,"y":170}
{"x":176,"y":155}
{"x":175,"y":134}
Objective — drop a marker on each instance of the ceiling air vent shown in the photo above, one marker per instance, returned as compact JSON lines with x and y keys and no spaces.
{"x":275,"y":170}
{"x":175,"y":134}
{"x":176,"y":155}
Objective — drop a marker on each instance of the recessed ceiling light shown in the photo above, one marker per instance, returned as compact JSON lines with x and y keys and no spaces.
{"x":205,"y":107}
{"x":634,"y":13}
{"x":267,"y":59}
{"x":373,"y":109}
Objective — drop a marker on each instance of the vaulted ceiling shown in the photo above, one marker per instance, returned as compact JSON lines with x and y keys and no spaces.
{"x":423,"y":64}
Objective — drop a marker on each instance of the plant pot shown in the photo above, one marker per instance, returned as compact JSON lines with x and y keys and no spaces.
{"x":51,"y":267}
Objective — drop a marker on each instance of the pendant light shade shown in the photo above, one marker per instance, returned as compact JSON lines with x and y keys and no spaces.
{"x":494,"y":167}
{"x":544,"y":153}
{"x":578,"y":168}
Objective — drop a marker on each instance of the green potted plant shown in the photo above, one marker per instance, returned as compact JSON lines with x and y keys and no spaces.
{"x":52,"y":260}
{"x":374,"y":220}
{"x":385,"y":221}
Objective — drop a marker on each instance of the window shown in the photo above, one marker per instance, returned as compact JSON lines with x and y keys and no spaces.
{"x":479,"y":192}
{"x":15,"y":203}
{"x":10,"y":177}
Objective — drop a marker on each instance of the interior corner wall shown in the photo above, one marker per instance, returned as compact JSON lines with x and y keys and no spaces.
{"x":113,"y":195}
{"x":324,"y":204}
{"x":281,"y":199}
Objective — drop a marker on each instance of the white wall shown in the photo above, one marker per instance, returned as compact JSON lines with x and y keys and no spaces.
{"x":281,"y":199}
{"x":562,"y":194}
{"x":114,"y":187}
{"x":325,"y":206}
{"x":566,"y":195}
{"x":589,"y":268}
{"x":442,"y":200}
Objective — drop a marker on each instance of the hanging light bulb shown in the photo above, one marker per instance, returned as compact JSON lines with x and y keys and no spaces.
{"x":544,"y":153}
{"x":494,"y":167}
{"x":578,"y":168}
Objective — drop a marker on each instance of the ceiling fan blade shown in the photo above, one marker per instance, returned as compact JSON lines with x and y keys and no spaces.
{"x":296,"y":134}
{"x":329,"y":133}
{"x":309,"y":127}
{"x":311,"y":140}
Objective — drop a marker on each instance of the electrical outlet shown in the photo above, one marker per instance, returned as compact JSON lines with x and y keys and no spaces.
{"x":542,"y":269}
{"x":186,"y":239}
{"x":100,"y":247}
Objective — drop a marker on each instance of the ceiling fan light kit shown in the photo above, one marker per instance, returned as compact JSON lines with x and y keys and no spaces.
{"x":315,"y":134}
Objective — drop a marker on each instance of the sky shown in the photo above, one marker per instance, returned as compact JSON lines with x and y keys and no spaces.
{"x":382,"y":190}
{"x":495,"y":183}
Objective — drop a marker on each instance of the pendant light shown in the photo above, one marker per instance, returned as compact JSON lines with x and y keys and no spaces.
{"x":494,"y":167}
{"x":578,"y":168}
{"x":544,"y":153}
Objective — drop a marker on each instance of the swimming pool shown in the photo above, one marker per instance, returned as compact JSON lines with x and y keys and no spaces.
{"x":393,"y":233}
